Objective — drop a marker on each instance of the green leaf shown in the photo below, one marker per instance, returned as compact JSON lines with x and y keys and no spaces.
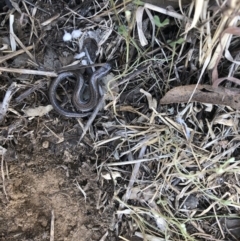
{"x":123,"y":30}
{"x":138,"y":2}
{"x":226,"y":202}
{"x":174,"y":43}
{"x":158,"y":22}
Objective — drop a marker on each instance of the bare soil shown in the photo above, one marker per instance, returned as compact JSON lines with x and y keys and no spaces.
{"x":42,"y":179}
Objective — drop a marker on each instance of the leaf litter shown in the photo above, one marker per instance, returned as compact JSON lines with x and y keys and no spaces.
{"x":160,"y":160}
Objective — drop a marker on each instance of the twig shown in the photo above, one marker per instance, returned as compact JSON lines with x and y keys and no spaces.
{"x":28,"y":71}
{"x":34,"y":5}
{"x":134,"y":174}
{"x":52,"y":227}
{"x":7,"y":98}
{"x":92,"y":118}
{"x":23,"y":47}
{"x":2,"y":152}
{"x":26,"y":93}
{"x":77,"y":67}
{"x":81,"y":190}
{"x":9,"y":56}
{"x":103,"y":238}
{"x":50,"y":20}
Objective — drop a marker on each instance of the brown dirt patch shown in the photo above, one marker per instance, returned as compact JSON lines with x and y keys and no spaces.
{"x":40,"y":183}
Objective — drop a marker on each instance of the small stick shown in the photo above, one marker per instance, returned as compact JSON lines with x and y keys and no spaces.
{"x":52,"y":226}
{"x":33,"y":5}
{"x":92,"y":118}
{"x":77,"y":67}
{"x":26,"y":93}
{"x":2,"y":152}
{"x":28,"y":71}
{"x":7,"y":98}
{"x":9,"y":56}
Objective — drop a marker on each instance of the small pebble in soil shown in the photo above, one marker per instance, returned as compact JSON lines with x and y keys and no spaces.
{"x":45,"y":144}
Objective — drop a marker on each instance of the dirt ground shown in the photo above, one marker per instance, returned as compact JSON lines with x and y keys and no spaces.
{"x":41,"y":181}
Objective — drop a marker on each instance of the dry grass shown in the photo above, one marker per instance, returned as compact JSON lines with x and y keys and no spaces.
{"x":185,"y":169}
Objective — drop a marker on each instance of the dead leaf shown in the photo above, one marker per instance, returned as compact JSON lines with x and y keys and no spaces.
{"x":203,"y":94}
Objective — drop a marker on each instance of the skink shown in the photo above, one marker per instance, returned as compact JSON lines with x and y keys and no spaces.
{"x":82,"y":106}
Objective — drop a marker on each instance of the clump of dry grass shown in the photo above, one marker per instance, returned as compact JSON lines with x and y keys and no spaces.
{"x":183,"y":158}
